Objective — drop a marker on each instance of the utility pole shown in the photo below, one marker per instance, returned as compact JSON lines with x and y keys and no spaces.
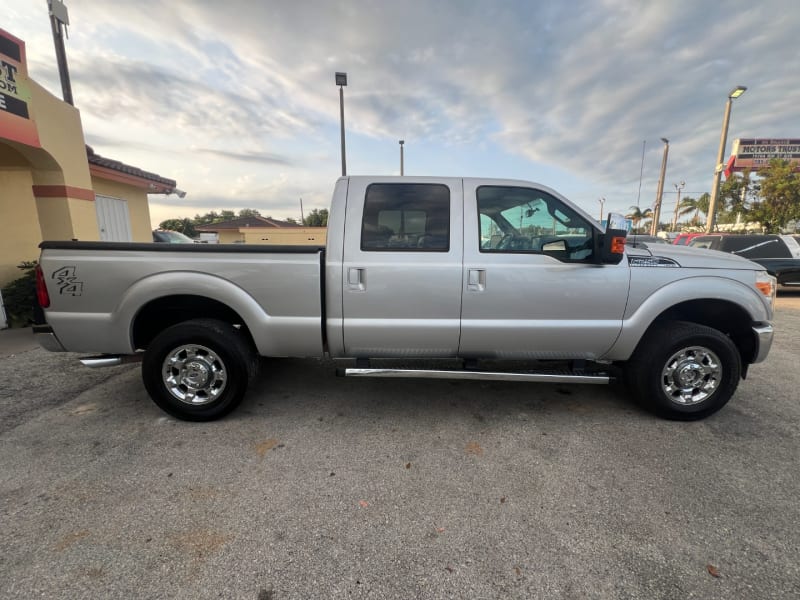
{"x":602,"y":201}
{"x":59,"y":19}
{"x":341,"y":81}
{"x":677,"y":204}
{"x":660,"y":192}
{"x":401,"y":156}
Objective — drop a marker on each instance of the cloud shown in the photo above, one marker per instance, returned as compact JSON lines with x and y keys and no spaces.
{"x":566,"y":89}
{"x":256,"y":157}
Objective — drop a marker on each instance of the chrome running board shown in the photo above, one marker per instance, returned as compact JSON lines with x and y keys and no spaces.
{"x":107,"y":360}
{"x":565,"y":377}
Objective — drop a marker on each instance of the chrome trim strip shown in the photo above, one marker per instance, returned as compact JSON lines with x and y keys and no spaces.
{"x":96,"y":362}
{"x":479,"y":375}
{"x":763,"y":333}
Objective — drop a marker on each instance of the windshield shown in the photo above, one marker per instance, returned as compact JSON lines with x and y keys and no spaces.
{"x":172,"y":237}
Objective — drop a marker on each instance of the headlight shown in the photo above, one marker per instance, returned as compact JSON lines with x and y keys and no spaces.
{"x":767,"y":285}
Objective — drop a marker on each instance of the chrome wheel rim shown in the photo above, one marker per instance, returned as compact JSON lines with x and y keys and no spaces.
{"x":691,"y":375}
{"x":194,"y":374}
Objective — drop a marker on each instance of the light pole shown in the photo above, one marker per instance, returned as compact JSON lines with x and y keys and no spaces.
{"x":602,"y":201}
{"x":401,"y":156}
{"x":678,"y":188}
{"x":723,"y":138}
{"x":59,"y":19}
{"x":341,"y":81}
{"x":660,"y":192}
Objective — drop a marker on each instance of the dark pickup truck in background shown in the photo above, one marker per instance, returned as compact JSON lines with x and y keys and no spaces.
{"x":778,"y":254}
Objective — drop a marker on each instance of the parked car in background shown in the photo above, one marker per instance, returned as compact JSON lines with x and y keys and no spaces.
{"x":171,"y":237}
{"x":778,"y":254}
{"x":683,"y":239}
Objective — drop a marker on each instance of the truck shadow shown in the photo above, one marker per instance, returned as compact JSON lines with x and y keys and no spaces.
{"x":310,"y":386}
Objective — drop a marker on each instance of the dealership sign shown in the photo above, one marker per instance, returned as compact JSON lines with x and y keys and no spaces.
{"x":15,"y":95}
{"x":755,"y":154}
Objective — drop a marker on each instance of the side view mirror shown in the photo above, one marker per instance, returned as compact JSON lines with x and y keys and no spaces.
{"x":611,"y":246}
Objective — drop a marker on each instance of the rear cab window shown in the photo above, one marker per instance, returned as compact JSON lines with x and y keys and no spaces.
{"x":402,"y":217}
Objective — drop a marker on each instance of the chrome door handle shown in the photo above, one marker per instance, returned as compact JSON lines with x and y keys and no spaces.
{"x":476,"y":280}
{"x":356,"y":279}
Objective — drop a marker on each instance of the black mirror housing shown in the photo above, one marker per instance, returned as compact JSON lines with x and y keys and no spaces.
{"x":610,"y":247}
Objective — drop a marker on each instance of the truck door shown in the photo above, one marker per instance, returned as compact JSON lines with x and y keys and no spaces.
{"x":402,"y":266}
{"x":530,"y":288}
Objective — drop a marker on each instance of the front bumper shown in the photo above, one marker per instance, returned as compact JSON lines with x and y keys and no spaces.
{"x":47,"y":339}
{"x":763,"y":333}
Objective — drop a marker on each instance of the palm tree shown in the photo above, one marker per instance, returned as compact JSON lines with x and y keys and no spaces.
{"x":637,"y":215}
{"x":688,"y":205}
{"x":697,"y":206}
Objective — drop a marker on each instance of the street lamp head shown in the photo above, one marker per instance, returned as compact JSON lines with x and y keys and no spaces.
{"x":341,"y":78}
{"x":737,"y":91}
{"x":665,"y":140}
{"x":402,"y":142}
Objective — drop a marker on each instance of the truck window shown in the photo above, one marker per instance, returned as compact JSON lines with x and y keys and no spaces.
{"x":406,"y":217}
{"x":757,"y":246}
{"x":532,"y":221}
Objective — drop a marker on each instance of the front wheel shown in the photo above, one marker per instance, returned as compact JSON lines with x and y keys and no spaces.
{"x":684,"y":371}
{"x":198,"y":370}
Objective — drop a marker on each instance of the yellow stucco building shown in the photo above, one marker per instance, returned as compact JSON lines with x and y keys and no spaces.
{"x":53,"y":186}
{"x":265,"y":230}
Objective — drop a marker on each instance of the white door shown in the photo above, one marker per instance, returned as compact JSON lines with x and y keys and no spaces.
{"x":113,"y":219}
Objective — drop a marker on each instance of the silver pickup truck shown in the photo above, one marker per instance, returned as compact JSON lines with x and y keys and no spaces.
{"x":506,"y":277}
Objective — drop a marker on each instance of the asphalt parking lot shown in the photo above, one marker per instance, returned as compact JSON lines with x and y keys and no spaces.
{"x":319,"y":487}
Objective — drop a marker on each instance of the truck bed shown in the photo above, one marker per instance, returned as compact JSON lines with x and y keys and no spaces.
{"x":97,"y":289}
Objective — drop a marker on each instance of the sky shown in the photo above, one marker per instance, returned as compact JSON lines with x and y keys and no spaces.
{"x":236,"y":100}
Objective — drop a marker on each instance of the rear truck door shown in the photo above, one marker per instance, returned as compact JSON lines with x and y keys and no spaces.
{"x":402,"y":266}
{"x":530,"y":289}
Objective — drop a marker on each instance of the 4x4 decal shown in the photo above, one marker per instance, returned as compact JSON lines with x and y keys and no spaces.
{"x":67,"y":282}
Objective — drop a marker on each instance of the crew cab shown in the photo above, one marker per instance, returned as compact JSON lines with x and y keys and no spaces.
{"x":493,"y":273}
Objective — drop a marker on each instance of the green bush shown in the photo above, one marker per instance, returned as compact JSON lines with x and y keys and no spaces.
{"x":19,"y":296}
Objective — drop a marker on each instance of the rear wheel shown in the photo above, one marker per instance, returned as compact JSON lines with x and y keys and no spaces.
{"x":684,"y":371}
{"x":198,"y":370}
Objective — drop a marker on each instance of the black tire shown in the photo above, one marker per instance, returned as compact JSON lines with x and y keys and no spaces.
{"x":211,"y":365}
{"x":683,"y":371}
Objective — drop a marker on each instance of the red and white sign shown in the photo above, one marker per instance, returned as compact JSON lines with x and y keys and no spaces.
{"x":756,"y":153}
{"x":16,"y":123}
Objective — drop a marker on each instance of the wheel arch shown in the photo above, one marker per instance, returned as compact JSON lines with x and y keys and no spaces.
{"x":732,"y":309}
{"x":163,"y":312}
{"x":159,"y":301}
{"x":723,"y":315}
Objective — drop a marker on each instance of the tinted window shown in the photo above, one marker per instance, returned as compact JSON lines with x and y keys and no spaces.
{"x":708,"y":241}
{"x":756,"y":246}
{"x":171,"y":237}
{"x":516,"y":219}
{"x":406,"y":217}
